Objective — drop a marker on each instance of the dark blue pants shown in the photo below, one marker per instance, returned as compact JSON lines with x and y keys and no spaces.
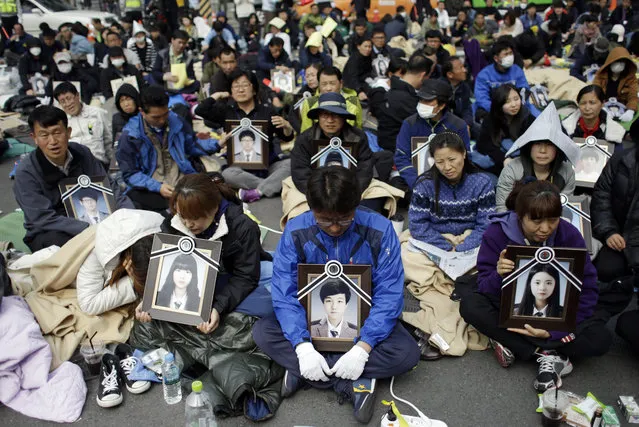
{"x":395,"y":355}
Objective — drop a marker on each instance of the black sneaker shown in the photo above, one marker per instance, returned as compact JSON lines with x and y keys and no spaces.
{"x":290,"y":384}
{"x":109,"y":391}
{"x":552,"y":367}
{"x":361,"y":393}
{"x":128,"y":363}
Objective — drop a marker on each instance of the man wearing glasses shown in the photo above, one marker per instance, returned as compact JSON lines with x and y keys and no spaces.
{"x":336,"y":228}
{"x":38,"y":176}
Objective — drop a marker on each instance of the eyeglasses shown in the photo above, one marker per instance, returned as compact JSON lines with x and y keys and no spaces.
{"x":241,"y":86}
{"x":341,"y":223}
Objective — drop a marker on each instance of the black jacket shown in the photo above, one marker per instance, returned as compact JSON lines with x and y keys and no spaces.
{"x":28,"y":65}
{"x":163,"y":65}
{"x":391,"y":109}
{"x":530,"y":46}
{"x":111,"y":73}
{"x":486,"y":145}
{"x":303,"y":150}
{"x":88,"y":84}
{"x":614,"y":207}
{"x":584,"y":61}
{"x":357,"y":70}
{"x":120,"y":119}
{"x":240,"y":259}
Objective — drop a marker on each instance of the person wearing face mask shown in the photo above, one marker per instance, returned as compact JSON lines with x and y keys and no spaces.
{"x":397,"y":27}
{"x":31,"y":62}
{"x":143,"y":47}
{"x":64,"y":71}
{"x":432,"y":117}
{"x":546,"y":153}
{"x":502,"y":70}
{"x":118,"y":69}
{"x":618,"y":79}
{"x":534,"y":219}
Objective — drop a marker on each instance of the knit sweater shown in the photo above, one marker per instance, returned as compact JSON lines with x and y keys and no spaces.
{"x":463,"y":206}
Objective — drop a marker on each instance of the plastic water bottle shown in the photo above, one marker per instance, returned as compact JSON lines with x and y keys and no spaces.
{"x":171,"y":380}
{"x":199,"y":412}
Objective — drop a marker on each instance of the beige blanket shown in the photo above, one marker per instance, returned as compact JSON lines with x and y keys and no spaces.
{"x":294,"y":202}
{"x":439,"y":315}
{"x":560,"y":84}
{"x":55,"y":304}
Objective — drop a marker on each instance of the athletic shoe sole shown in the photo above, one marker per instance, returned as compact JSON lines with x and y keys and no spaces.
{"x":505,"y":357}
{"x":139,"y":390}
{"x":567,"y":370}
{"x":109,"y":403}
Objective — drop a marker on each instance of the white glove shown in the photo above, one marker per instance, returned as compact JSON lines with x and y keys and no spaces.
{"x":313,"y":366}
{"x":627,"y":116}
{"x":351,"y":365}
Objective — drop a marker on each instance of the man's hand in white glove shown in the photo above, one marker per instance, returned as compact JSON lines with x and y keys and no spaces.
{"x":313,"y":366}
{"x":351,"y":365}
{"x":627,"y":116}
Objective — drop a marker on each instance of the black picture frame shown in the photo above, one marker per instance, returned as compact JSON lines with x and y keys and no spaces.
{"x":576,"y":210}
{"x":258,"y":128}
{"x":348,"y":152}
{"x":594,"y":156}
{"x":311,"y":278}
{"x":568,"y":265}
{"x":167,"y":253}
{"x":73,"y":188}
{"x":420,"y":154}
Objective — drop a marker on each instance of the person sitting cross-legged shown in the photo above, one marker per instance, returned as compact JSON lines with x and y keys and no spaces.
{"x":337,"y":229}
{"x":38,"y":175}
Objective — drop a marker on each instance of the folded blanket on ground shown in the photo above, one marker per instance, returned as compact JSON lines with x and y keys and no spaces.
{"x":54,"y":302}
{"x":560,"y":84}
{"x":439,"y":315}
{"x":294,"y":202}
{"x":25,"y":382}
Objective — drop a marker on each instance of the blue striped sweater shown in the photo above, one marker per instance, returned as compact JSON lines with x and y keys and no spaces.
{"x":463,"y":206}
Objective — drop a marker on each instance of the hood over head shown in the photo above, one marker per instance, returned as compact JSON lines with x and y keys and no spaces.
{"x":509,"y":222}
{"x":619,"y":53}
{"x":547,"y":127}
{"x":127,"y":90}
{"x":122,"y":229}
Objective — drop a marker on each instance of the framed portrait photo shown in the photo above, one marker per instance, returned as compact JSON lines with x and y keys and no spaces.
{"x":334,"y":153}
{"x":576,"y":210}
{"x":180,"y":282}
{"x":337,"y":299}
{"x":248,"y":147}
{"x":420,"y":154}
{"x":543,"y":290}
{"x":594,"y":156}
{"x":39,"y":84}
{"x":87,"y":198}
{"x":283,"y":80}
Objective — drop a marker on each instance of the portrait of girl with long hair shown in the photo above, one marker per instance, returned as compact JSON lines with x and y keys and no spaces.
{"x":541,"y":296}
{"x":180,"y":290}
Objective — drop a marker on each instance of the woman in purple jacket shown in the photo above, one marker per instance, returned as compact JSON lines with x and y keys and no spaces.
{"x":533,"y":219}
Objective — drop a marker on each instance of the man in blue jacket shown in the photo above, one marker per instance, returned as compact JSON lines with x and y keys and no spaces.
{"x":432,"y":117}
{"x":502,"y":70}
{"x":338,"y":229}
{"x":155,"y":149}
{"x":272,"y":56}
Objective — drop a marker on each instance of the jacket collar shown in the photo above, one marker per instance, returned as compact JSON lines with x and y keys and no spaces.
{"x":135,"y":126}
{"x":222,"y":228}
{"x":52,"y":174}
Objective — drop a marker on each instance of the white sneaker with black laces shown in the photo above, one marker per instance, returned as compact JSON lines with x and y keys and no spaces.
{"x":128,"y":363}
{"x":552,"y":366}
{"x":109,"y":391}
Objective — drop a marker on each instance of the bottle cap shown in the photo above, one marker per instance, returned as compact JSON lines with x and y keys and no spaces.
{"x":196,"y":386}
{"x":169,"y":358}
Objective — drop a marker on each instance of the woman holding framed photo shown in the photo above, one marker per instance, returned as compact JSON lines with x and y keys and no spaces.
{"x":451,"y":198}
{"x":241,"y":103}
{"x":533,"y":219}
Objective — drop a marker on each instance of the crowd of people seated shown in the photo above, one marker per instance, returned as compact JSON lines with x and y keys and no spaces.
{"x":434,"y":110}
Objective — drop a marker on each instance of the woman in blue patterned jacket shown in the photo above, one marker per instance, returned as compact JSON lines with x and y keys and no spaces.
{"x":451,"y":198}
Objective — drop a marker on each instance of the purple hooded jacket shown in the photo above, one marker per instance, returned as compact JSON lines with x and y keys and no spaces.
{"x":504,"y":231}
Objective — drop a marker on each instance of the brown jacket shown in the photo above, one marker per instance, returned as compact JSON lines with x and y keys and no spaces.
{"x":628,"y":84}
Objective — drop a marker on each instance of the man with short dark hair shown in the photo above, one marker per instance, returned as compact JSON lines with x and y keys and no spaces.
{"x":176,"y":54}
{"x":434,"y":43}
{"x":335,"y":296}
{"x":336,"y":229}
{"x":330,"y":80}
{"x":40,"y":172}
{"x":272,"y":57}
{"x":155,"y":151}
{"x":397,"y":27}
{"x":225,"y":60}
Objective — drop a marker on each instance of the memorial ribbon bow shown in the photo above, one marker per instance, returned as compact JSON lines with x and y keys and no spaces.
{"x":186,"y":245}
{"x":335,"y":144}
{"x":245,"y":123}
{"x":564,"y":202}
{"x":334,"y":270}
{"x":85,"y":182}
{"x":544,"y":255}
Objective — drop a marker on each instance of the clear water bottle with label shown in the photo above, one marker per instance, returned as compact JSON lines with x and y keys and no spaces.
{"x":199,"y":411}
{"x":171,"y":380}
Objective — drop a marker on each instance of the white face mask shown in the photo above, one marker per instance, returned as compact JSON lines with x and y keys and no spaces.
{"x":65,"y":68}
{"x":425,"y":111}
{"x":402,"y":14}
{"x":140,"y":40}
{"x":117,"y":62}
{"x":618,"y":67}
{"x":508,"y":61}
{"x":35,"y":51}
